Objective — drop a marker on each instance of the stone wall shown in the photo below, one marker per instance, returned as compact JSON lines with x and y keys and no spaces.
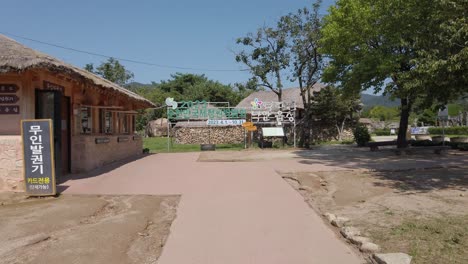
{"x":11,"y":164}
{"x":87,"y":155}
{"x":209,"y":135}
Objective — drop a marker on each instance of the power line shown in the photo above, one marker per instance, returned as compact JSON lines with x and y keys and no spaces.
{"x":123,"y":59}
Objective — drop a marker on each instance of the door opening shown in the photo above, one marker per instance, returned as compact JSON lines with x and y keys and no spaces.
{"x":53,"y":105}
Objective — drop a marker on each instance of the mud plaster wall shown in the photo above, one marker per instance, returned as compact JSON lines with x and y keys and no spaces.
{"x":11,"y":164}
{"x":88,"y":155}
{"x":206,"y":135}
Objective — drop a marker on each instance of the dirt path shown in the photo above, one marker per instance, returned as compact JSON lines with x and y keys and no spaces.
{"x":85,"y":229}
{"x":240,"y":212}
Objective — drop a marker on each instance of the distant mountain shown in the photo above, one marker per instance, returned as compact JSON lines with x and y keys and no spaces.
{"x":370,"y":100}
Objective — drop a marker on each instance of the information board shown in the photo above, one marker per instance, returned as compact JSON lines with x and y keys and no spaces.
{"x":273,"y":131}
{"x":38,"y":156}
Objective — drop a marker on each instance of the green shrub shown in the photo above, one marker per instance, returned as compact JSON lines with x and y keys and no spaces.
{"x":462,"y":130}
{"x":463,"y":146}
{"x":453,"y":145}
{"x":382,"y":132}
{"x":361,"y":135}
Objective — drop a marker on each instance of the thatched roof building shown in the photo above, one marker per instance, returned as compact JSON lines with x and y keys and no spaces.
{"x":14,"y":57}
{"x":289,"y":95}
{"x":93,"y":120}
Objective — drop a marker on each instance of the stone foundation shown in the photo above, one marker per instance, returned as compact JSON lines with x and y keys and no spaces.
{"x":87,"y":155}
{"x":11,"y":164}
{"x":206,"y":135}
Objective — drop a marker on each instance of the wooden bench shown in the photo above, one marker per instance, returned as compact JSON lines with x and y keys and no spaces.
{"x":375,"y":145}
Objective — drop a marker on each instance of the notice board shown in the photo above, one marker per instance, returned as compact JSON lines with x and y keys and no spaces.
{"x":38,"y":155}
{"x":273,"y":131}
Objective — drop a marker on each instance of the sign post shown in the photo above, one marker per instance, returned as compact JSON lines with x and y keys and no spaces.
{"x":38,"y":157}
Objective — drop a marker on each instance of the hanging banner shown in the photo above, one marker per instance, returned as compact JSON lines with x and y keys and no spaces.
{"x":38,"y":156}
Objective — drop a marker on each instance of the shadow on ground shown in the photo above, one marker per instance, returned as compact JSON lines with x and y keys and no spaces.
{"x":98,"y":171}
{"x":360,"y":158}
{"x":424,"y":180}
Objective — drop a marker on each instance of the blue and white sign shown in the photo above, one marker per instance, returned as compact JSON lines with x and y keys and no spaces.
{"x":230,"y":122}
{"x":420,"y":131}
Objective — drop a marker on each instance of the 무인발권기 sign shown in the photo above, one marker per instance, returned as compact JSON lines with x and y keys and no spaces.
{"x":38,"y":156}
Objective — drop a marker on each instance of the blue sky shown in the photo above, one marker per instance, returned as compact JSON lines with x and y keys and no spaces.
{"x":194,"y":34}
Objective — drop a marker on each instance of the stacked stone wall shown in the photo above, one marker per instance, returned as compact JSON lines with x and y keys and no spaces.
{"x":209,"y":135}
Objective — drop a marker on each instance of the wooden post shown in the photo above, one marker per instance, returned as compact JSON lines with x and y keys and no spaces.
{"x":249,"y":135}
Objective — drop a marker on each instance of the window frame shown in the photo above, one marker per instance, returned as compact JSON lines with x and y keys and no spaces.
{"x":89,"y":120}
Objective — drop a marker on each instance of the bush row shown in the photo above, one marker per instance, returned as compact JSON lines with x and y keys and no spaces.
{"x":462,"y":130}
{"x":382,"y":132}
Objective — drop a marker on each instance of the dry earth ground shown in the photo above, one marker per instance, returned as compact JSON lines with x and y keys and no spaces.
{"x":84,"y":229}
{"x":422,"y":212}
{"x":416,"y":204}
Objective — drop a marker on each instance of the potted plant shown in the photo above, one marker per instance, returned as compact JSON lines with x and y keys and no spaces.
{"x":438,"y":139}
{"x":459,"y":140}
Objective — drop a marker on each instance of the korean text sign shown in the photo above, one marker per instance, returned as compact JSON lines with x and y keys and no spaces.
{"x":39,"y":171}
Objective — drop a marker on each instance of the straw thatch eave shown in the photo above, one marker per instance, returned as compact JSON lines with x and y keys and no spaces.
{"x":15,"y":57}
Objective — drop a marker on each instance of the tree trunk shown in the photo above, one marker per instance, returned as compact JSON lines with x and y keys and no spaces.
{"x":306,"y":131}
{"x":340,"y":130}
{"x":404,"y":118}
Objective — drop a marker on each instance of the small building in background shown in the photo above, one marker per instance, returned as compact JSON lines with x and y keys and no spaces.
{"x":288,"y":96}
{"x":93,"y":118}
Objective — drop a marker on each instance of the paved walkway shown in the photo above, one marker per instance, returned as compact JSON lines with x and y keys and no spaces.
{"x":230,"y":212}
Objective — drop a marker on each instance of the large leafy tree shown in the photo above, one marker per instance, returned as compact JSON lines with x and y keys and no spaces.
{"x":266,"y":55}
{"x":111,"y":70}
{"x":384,"y":45}
{"x":442,"y":62}
{"x":383,"y":113}
{"x":303,"y":31}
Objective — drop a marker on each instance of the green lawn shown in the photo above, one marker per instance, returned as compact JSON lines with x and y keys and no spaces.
{"x":159,"y":145}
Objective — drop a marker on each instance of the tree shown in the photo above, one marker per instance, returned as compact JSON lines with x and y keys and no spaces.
{"x":111,"y":70}
{"x":335,"y":109}
{"x":383,"y":113}
{"x":443,"y":52}
{"x":303,"y":31}
{"x":245,"y":89}
{"x":386,"y":45}
{"x":267,"y":57}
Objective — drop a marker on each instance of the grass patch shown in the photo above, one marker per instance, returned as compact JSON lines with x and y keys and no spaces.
{"x":159,"y":145}
{"x":439,"y":240}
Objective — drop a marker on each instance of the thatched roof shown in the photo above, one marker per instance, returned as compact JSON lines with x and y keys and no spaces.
{"x":289,"y":95}
{"x":15,"y":57}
